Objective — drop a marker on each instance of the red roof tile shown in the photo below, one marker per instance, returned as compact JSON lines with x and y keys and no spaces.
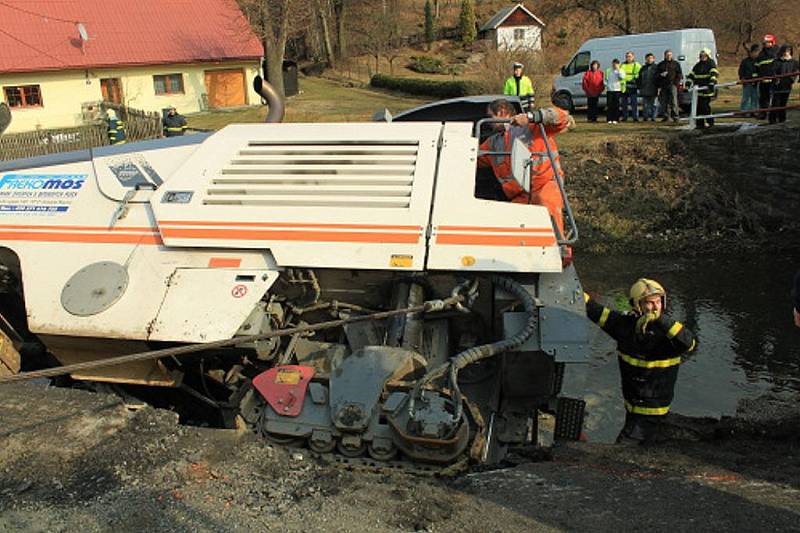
{"x":37,"y":35}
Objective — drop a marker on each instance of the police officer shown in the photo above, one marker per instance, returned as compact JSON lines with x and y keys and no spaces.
{"x":650,"y":347}
{"x":116,"y":128}
{"x":519,"y":85}
{"x":174,"y":123}
{"x":704,"y":74}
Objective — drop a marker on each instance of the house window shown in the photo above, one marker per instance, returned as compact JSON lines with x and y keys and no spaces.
{"x":519,"y":34}
{"x":23,"y":96}
{"x":168,"y":83}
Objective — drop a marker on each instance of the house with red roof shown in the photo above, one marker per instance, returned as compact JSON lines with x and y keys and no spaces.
{"x":58,"y":59}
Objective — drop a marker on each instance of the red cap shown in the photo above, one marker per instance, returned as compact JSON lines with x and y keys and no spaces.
{"x":769,"y":38}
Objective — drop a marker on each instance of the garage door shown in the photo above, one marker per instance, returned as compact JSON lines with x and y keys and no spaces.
{"x":225,"y":88}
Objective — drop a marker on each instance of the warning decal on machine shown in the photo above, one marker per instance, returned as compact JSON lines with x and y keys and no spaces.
{"x":38,"y":194}
{"x":286,"y":376}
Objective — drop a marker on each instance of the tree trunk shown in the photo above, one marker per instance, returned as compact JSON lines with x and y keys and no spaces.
{"x":276,"y":32}
{"x":340,"y":13}
{"x":628,"y":20}
{"x":323,"y":9}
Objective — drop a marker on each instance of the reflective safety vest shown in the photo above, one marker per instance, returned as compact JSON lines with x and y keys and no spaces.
{"x":648,"y":364}
{"x":116,"y":131}
{"x":704,"y":74}
{"x":631,"y":71}
{"x":541,"y":169}
{"x":525,"y":86}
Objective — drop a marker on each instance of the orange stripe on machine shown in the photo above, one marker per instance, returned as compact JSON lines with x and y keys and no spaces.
{"x":93,"y":238}
{"x":495,"y":240}
{"x":484,"y":229}
{"x":290,"y":225}
{"x":290,"y":235}
{"x":224,"y":262}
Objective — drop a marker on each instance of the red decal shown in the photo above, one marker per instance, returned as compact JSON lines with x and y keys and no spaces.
{"x":238,"y":291}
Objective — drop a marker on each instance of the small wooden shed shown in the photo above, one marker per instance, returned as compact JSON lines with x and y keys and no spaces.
{"x":514,"y":28}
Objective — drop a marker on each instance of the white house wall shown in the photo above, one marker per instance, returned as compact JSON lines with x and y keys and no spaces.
{"x":531,"y":41}
{"x":63,"y":92}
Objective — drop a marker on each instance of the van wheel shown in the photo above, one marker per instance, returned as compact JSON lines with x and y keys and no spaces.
{"x":564,"y":100}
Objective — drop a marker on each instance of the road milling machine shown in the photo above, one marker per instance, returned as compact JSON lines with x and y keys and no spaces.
{"x":334,"y":286}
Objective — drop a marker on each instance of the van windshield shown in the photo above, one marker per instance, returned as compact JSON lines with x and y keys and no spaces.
{"x":579,"y":63}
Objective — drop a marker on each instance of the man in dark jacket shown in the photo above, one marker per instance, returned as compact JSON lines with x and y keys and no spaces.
{"x":765,"y":67}
{"x":785,"y":66}
{"x":650,"y":347}
{"x":704,"y":75}
{"x":174,"y":124}
{"x":747,"y":71}
{"x":647,"y":87}
{"x":669,"y":76}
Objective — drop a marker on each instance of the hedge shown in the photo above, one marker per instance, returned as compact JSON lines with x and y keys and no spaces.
{"x":418,"y":86}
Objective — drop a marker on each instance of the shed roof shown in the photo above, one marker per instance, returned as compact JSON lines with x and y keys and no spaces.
{"x":506,"y":12}
{"x":41,"y":35}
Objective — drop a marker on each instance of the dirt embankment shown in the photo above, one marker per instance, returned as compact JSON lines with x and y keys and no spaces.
{"x":666,"y":193}
{"x":76,"y":461}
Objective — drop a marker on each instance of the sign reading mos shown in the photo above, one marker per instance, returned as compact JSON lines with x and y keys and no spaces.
{"x":38,"y":194}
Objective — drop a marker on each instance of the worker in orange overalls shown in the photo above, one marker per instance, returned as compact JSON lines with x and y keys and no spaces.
{"x":544,"y":188}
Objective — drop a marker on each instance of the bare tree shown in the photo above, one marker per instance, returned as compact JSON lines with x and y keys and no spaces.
{"x":340,"y":11}
{"x":270,"y":20}
{"x":323,"y":13}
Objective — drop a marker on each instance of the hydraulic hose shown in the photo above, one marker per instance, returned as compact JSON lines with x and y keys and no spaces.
{"x":484,"y":351}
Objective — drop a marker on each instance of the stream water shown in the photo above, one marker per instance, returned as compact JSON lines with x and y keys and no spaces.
{"x":738,"y":306}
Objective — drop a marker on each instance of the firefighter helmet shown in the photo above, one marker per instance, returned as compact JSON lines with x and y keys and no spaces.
{"x":644,"y":288}
{"x":769,"y":38}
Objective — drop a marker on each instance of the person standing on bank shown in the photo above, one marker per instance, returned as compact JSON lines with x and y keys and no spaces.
{"x":765,"y":67}
{"x":630,"y":91}
{"x":704,"y":75}
{"x":669,"y":76}
{"x":647,"y":87}
{"x":593,"y":87}
{"x":519,"y":85}
{"x":650,"y":347}
{"x":615,"y":85}
{"x":747,"y":71}
{"x":782,"y":87}
{"x":115,"y":128}
{"x":174,"y":123}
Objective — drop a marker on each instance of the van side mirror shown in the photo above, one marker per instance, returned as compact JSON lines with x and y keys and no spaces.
{"x":5,"y":117}
{"x":564,"y":71}
{"x":520,"y":159}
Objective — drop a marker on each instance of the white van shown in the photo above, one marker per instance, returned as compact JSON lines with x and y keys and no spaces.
{"x":685,"y":45}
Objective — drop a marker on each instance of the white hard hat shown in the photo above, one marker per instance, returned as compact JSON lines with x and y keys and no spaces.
{"x":111,"y":114}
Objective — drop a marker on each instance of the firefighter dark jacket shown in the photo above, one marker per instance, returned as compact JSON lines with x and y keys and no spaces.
{"x":765,"y":62}
{"x":704,"y":74}
{"x":648,"y":364}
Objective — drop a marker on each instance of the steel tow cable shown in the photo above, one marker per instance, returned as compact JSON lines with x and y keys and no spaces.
{"x":431,"y":305}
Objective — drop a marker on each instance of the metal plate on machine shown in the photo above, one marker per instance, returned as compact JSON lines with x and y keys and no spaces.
{"x":94,"y":288}
{"x":284,"y":387}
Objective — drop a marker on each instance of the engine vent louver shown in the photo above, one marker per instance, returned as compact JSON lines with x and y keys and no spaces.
{"x":342,"y":174}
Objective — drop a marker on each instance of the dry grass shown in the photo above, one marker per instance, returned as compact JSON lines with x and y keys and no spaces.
{"x":321,"y":100}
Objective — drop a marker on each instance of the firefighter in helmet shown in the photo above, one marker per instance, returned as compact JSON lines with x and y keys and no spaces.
{"x":650,"y":346}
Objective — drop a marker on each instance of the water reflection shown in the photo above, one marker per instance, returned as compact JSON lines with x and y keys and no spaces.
{"x":740,"y":309}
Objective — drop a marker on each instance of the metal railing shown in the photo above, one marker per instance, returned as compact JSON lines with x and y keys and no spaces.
{"x":572,"y":233}
{"x":695,"y":89}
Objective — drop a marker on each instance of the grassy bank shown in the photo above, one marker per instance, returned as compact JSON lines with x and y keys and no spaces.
{"x":321,"y":100}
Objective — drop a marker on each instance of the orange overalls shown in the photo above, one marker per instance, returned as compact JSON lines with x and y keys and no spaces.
{"x":544,"y":189}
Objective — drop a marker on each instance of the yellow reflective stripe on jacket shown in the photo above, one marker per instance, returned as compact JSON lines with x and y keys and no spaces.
{"x":639,"y":410}
{"x":175,"y":129}
{"x":604,"y":316}
{"x":644,"y":363}
{"x":674,"y":330}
